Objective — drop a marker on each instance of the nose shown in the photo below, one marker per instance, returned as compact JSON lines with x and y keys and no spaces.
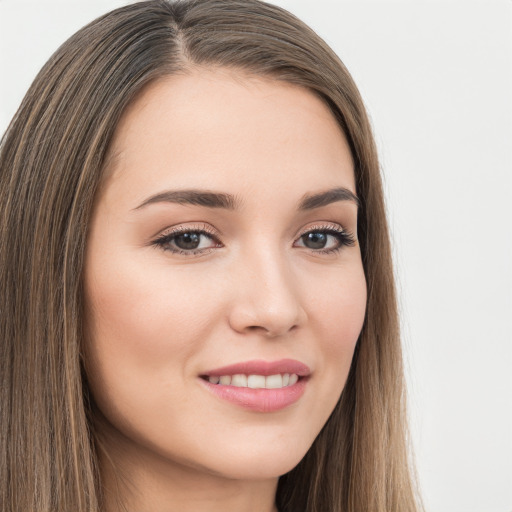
{"x":266,"y":299}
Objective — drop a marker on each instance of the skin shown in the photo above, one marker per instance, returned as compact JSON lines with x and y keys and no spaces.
{"x":155,"y":320}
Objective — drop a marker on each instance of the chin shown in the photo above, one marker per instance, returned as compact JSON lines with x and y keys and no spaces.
{"x":261,"y":463}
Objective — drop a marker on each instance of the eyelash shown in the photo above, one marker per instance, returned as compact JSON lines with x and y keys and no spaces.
{"x":163,"y":240}
{"x":344,"y":238}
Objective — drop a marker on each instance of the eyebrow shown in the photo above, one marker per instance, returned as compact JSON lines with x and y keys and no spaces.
{"x":193,"y":197}
{"x":333,"y":195}
{"x":230,"y":202}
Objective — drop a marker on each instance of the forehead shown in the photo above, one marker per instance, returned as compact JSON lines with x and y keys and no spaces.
{"x":219,"y":128}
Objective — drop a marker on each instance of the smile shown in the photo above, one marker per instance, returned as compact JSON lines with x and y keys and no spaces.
{"x":259,"y":386}
{"x":277,"y":381}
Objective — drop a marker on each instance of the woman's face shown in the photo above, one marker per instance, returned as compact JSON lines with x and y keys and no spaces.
{"x":223,"y":242}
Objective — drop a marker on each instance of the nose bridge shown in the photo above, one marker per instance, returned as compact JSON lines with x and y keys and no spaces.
{"x":268,"y":297}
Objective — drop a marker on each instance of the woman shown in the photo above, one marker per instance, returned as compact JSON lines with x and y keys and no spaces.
{"x":198,"y":309}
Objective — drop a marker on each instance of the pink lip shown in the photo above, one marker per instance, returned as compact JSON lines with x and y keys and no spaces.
{"x":260,"y":400}
{"x":259,"y":367}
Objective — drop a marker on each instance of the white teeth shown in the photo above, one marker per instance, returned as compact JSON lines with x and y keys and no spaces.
{"x":277,"y":381}
{"x":239,"y":381}
{"x":274,"y":382}
{"x":225,"y":380}
{"x":256,"y":381}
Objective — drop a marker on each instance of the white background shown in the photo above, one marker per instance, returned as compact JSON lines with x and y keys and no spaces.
{"x":437,"y":80}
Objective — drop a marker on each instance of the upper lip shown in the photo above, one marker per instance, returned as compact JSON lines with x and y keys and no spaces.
{"x":260,"y":367}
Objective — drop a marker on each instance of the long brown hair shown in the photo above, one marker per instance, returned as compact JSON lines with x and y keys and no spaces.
{"x":52,"y":158}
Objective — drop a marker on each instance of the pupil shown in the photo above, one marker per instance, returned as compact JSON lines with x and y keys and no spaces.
{"x":187,"y":240}
{"x":315,"y":240}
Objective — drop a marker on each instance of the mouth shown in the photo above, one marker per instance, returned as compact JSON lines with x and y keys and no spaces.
{"x":240,"y":380}
{"x":259,"y":386}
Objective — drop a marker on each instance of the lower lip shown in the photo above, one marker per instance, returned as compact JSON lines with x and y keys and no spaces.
{"x":259,"y":400}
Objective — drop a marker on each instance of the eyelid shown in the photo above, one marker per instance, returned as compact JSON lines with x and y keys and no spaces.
{"x":183,"y":228}
{"x":322,"y":227}
{"x":344,"y":237}
{"x":166,"y":236}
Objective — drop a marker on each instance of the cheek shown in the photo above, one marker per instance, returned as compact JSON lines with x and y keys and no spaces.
{"x":340,"y":309}
{"x":339,"y":315}
{"x":145,"y":314}
{"x":142,"y":331}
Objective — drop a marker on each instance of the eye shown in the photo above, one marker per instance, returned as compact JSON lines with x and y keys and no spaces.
{"x":326,"y":239}
{"x":187,"y":241}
